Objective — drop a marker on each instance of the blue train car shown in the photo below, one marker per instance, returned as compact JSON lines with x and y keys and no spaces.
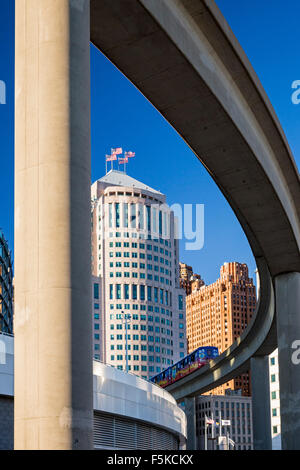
{"x":185,"y":366}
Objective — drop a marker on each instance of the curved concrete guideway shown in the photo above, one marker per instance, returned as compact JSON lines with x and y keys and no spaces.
{"x":182,"y":55}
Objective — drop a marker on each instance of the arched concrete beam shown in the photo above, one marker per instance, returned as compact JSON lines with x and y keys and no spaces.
{"x":182,"y":55}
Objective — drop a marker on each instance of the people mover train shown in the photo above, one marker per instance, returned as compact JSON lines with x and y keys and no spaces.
{"x":198,"y":358}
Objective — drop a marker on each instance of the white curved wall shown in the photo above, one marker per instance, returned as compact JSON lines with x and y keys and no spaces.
{"x":6,"y":365}
{"x":115,"y":393}
{"x":118,"y":393}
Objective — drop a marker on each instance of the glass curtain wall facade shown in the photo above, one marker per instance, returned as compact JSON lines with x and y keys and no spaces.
{"x":6,"y":287}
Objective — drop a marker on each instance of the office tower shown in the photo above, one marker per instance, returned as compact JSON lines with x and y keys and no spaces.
{"x":187,"y":277}
{"x":135,"y":256}
{"x":217,"y":314}
{"x":6,"y":287}
{"x":233,"y":409}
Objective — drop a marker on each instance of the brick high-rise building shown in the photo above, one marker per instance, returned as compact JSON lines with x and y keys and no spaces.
{"x":217,"y":314}
{"x":187,"y":277}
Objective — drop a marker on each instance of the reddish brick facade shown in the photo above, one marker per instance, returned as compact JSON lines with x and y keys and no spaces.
{"x":217,"y":314}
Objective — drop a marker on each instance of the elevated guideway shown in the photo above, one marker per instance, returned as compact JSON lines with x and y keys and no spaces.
{"x":182,"y":55}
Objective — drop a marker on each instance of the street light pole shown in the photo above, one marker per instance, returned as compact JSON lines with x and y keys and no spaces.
{"x":126,"y":318}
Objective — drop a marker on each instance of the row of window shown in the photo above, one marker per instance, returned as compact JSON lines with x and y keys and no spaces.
{"x":158,"y":360}
{"x":143,"y":266}
{"x":151,"y":308}
{"x":135,"y":254}
{"x":136,"y":275}
{"x":143,"y":347}
{"x":135,"y":337}
{"x":131,"y":291}
{"x":141,"y":236}
{"x":141,"y":246}
{"x":226,"y":405}
{"x":139,"y":216}
{"x":136,"y":368}
{"x":167,"y":341}
{"x":135,"y":265}
{"x":150,"y":318}
{"x":137,"y":327}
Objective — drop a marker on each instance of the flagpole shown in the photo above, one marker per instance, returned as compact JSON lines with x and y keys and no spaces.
{"x":213,"y":431}
{"x":221,"y":417}
{"x":205,"y":434}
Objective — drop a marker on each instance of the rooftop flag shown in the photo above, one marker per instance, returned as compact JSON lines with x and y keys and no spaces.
{"x":111,"y":158}
{"x":122,"y":161}
{"x":117,"y":151}
{"x":209,"y":420}
{"x":130,"y":154}
{"x":226,"y":422}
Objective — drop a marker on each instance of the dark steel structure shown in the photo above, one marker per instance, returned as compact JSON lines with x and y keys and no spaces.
{"x":6,"y":287}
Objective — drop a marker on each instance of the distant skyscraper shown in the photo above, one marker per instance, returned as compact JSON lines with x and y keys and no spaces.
{"x":217,"y":315}
{"x":135,"y":264}
{"x":6,"y":287}
{"x":187,"y":277}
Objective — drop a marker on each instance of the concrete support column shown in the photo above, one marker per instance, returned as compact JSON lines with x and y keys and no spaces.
{"x":287,"y":289}
{"x":53,"y":322}
{"x":190,"y":411}
{"x":261,"y":413}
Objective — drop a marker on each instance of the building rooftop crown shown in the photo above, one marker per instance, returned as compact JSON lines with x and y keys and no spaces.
{"x":119,"y":178}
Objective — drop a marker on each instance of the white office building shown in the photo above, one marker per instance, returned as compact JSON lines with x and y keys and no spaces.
{"x":135,"y":259}
{"x":234,"y":409}
{"x":275,"y":400}
{"x":274,"y":391}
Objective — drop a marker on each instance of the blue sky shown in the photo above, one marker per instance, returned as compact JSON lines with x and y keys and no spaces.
{"x":268,"y":32}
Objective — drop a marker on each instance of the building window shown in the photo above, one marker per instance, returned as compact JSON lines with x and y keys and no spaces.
{"x":133,"y":216}
{"x":118,"y":291}
{"x":141,"y":216}
{"x":126,"y":291}
{"x":134,"y":291}
{"x":161,"y":296}
{"x":125,"y":214}
{"x":142,"y":292}
{"x":96,"y":291}
{"x":110,"y":216}
{"x":160,"y":223}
